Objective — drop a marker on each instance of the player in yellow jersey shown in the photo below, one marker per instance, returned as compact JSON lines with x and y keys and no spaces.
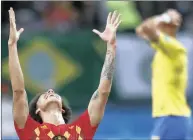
{"x":169,"y":76}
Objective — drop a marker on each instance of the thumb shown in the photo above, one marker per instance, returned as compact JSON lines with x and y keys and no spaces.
{"x":20,"y":30}
{"x":96,"y":32}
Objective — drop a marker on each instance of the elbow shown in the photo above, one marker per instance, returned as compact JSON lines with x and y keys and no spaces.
{"x":17,"y":85}
{"x":139,"y":31}
{"x":104,"y":93}
{"x":104,"y":88}
{"x":18,"y":92}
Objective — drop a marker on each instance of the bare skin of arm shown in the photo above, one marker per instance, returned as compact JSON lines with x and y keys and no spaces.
{"x":162,"y":30}
{"x":149,"y":30}
{"x":20,"y":103}
{"x":99,"y":99}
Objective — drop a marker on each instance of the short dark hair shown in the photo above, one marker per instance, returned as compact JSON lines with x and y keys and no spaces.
{"x":33,"y":107}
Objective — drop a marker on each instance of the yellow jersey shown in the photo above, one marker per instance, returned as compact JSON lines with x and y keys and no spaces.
{"x":169,"y":78}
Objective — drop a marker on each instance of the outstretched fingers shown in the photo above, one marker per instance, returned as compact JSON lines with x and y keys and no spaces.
{"x":96,"y":32}
{"x":20,"y":31}
{"x":12,"y":13}
{"x":117,"y":20}
{"x":12,"y":18}
{"x":109,"y":18}
{"x":113,"y":17}
{"x":117,"y":25}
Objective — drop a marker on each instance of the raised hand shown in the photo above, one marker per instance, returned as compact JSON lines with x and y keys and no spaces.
{"x":14,"y":34}
{"x":176,"y":18}
{"x":109,"y":34}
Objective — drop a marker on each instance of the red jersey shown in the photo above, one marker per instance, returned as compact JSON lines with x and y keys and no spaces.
{"x":78,"y":130}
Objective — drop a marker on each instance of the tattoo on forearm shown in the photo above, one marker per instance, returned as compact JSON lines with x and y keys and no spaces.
{"x":109,"y":65}
{"x":95,"y":95}
{"x":107,"y":71}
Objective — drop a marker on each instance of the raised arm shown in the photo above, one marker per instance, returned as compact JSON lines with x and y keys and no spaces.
{"x":150,"y":31}
{"x":99,"y":99}
{"x":140,"y":30}
{"x":20,"y":103}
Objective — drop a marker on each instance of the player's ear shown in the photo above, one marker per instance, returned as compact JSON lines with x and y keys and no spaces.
{"x":38,"y":110}
{"x":63,"y":111}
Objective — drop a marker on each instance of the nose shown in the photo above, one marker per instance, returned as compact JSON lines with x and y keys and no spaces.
{"x":50,"y":91}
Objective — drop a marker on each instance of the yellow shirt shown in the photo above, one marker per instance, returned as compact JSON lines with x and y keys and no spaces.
{"x":169,"y":78}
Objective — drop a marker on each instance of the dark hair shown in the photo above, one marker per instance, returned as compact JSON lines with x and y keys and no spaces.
{"x":33,"y":107}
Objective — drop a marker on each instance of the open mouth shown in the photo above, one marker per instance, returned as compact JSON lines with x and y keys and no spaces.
{"x":51,"y":95}
{"x":54,"y":95}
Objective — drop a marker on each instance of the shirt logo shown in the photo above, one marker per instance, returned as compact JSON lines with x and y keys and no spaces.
{"x":44,"y":127}
{"x":166,"y":38}
{"x":59,"y":138}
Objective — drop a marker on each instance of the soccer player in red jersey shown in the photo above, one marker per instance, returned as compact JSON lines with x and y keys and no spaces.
{"x":47,"y":117}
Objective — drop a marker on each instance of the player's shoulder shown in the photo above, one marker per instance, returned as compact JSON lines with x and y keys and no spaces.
{"x":171,"y":39}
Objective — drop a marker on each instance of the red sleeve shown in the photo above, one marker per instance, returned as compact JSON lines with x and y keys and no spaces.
{"x":28,"y":131}
{"x":84,"y":123}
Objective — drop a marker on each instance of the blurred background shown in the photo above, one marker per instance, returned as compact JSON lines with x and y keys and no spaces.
{"x":58,"y":50}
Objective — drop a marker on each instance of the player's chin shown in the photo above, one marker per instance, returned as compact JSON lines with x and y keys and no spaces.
{"x":53,"y":101}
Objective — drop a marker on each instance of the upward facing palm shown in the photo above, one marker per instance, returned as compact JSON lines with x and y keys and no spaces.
{"x":109,"y":33}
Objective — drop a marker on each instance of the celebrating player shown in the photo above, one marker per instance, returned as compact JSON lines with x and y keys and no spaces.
{"x":47,"y":116}
{"x":169,"y":76}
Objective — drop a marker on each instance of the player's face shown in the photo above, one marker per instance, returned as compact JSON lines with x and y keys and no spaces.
{"x":49,"y":98}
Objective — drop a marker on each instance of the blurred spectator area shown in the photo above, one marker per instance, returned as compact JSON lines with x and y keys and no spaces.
{"x":150,"y":8}
{"x":65,"y":15}
{"x":54,"y":15}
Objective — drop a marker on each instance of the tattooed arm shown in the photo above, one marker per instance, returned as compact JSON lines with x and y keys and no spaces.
{"x":99,"y":99}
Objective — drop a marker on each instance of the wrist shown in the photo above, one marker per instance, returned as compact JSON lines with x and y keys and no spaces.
{"x":12,"y":47}
{"x":111,"y":46}
{"x":112,"y":42}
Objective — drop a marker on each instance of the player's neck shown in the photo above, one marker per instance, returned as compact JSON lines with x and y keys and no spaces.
{"x":52,"y":116}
